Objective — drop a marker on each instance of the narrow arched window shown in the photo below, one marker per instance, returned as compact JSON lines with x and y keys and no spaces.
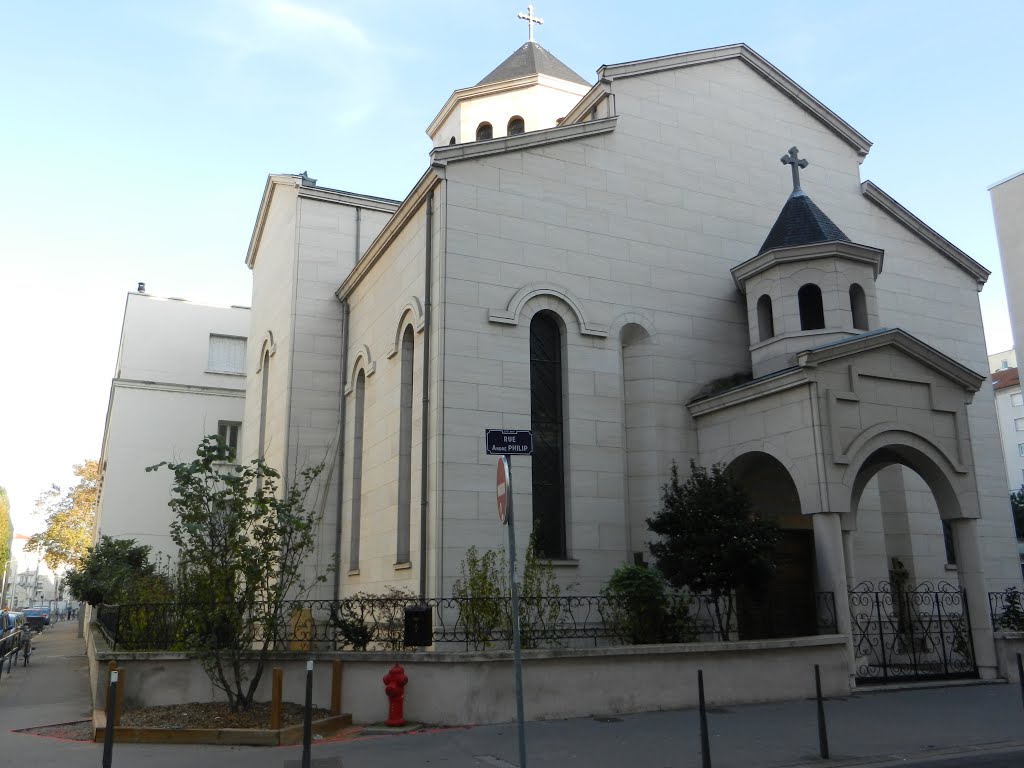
{"x":357,"y":470}
{"x":452,"y":140}
{"x":812,"y":313}
{"x":859,"y":307}
{"x":765,"y":320}
{"x":547,"y":425}
{"x":264,"y":386}
{"x":484,"y":131}
{"x":516,"y":126}
{"x":405,"y":451}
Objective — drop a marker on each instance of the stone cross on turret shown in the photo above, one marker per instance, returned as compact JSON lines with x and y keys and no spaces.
{"x":790,"y":158}
{"x":530,"y":19}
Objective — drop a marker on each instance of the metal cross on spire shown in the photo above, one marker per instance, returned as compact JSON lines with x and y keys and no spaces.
{"x":530,"y":19}
{"x":790,"y":158}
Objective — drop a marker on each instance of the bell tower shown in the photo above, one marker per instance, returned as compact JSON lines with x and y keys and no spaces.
{"x":808,"y":285}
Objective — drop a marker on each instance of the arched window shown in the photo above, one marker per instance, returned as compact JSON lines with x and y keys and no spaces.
{"x":452,"y":140}
{"x":812,"y":313}
{"x":484,"y":131}
{"x":516,"y":126}
{"x":357,"y":470}
{"x":859,"y":307}
{"x":405,"y":451}
{"x":546,"y":422}
{"x":264,"y":386}
{"x":765,"y":319}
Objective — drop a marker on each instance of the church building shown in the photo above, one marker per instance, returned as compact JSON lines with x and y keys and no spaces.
{"x":624,"y":267}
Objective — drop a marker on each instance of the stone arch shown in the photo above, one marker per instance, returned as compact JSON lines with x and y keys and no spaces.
{"x":633,"y":318}
{"x":364,"y":361}
{"x":412,"y":307}
{"x":806,"y":490}
{"x":266,"y":347}
{"x":951,"y":487}
{"x":511,"y":315}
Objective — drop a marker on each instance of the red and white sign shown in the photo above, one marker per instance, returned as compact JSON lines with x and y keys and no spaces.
{"x":504,"y":488}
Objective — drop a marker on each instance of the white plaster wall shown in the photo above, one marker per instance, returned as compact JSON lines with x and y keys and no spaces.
{"x":1009,"y":435}
{"x":168,"y":340}
{"x":149,"y":424}
{"x":995,"y":361}
{"x":1008,"y":212}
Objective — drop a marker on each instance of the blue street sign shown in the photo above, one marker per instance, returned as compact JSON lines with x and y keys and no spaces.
{"x":507,"y":442}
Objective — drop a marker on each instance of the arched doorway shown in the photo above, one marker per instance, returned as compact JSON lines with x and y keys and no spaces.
{"x":908,"y":611}
{"x":788,"y":606}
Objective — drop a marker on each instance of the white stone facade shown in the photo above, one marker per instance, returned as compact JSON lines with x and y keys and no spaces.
{"x":625,"y":223}
{"x":169,"y":391}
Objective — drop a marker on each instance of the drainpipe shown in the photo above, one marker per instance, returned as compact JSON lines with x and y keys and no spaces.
{"x":341,"y":428}
{"x":424,"y":420}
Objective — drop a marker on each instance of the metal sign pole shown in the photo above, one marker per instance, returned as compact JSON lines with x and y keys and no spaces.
{"x":517,"y":655}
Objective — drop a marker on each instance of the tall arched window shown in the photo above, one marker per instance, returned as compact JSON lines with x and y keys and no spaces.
{"x":357,"y":470}
{"x":264,"y":386}
{"x":859,"y":307}
{"x":546,"y":422}
{"x":765,"y":319}
{"x":516,"y":126}
{"x":405,"y":451}
{"x":812,"y":313}
{"x":484,"y":131}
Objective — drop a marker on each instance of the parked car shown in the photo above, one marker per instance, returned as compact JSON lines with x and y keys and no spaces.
{"x":11,"y":622}
{"x":37,"y":617}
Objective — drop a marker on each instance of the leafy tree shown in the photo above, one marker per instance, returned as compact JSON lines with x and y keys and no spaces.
{"x":711,"y":541}
{"x":6,"y":534}
{"x":113,"y":571}
{"x":70,"y":517}
{"x":1017,"y":507}
{"x":636,"y":605}
{"x":241,"y":554}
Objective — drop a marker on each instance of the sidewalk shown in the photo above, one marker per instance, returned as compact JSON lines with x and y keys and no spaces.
{"x":864,"y":728}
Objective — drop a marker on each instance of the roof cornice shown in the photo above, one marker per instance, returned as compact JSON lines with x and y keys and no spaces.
{"x":873,"y":193}
{"x":753,"y":390}
{"x":590,"y":99}
{"x":910,"y":345}
{"x":325,"y":194}
{"x":454,"y":152}
{"x":502,"y":86}
{"x":842,"y":249}
{"x":759,"y":64}
{"x":408,"y":207}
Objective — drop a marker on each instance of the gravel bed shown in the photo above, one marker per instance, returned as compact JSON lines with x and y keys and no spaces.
{"x":214,"y":715}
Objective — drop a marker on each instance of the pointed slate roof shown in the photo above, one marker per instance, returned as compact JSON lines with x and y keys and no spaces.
{"x":801,"y":223}
{"x":531,"y":59}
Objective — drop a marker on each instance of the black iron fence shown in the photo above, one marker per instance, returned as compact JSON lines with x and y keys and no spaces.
{"x":378,"y":623}
{"x":1007,"y":609}
{"x":903,"y":632}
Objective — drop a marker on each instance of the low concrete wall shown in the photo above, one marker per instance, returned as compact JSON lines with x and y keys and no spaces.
{"x":1008,"y":645}
{"x":476,"y":688}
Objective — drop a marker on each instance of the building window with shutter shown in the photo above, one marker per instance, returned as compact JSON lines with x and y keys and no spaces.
{"x":546,"y":421}
{"x":228,"y":433}
{"x":227,"y":354}
{"x":1017,"y":400}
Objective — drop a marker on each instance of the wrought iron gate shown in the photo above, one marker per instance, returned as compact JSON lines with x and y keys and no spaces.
{"x":911,"y":633}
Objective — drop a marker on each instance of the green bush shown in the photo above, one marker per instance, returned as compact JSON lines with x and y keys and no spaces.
{"x":1011,"y":615}
{"x":636,"y":608}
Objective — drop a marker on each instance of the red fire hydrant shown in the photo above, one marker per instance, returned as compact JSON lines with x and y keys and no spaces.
{"x":394,"y":686}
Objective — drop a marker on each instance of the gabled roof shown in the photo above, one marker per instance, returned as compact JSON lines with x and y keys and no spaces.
{"x":899,"y":339}
{"x":755,"y":61}
{"x":531,"y":59}
{"x":801,"y":222}
{"x":875,"y":194}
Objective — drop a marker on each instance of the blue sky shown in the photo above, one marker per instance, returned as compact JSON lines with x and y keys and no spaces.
{"x":135,"y":140}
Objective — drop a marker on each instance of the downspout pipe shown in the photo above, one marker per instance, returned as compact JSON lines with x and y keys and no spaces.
{"x":424,"y":419}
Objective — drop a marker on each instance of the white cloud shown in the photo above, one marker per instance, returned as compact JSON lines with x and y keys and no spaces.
{"x":312,"y":21}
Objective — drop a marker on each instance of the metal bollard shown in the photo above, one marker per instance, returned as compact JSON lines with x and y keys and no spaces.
{"x":307,"y":717}
{"x":108,"y":733}
{"x":705,"y":742}
{"x":822,"y":732}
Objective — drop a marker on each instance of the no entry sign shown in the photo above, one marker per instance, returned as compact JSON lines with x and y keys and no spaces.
{"x":504,"y":489}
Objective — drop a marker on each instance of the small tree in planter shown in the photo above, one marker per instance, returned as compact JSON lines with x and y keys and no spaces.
{"x":711,"y":541}
{"x":241,"y":552}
